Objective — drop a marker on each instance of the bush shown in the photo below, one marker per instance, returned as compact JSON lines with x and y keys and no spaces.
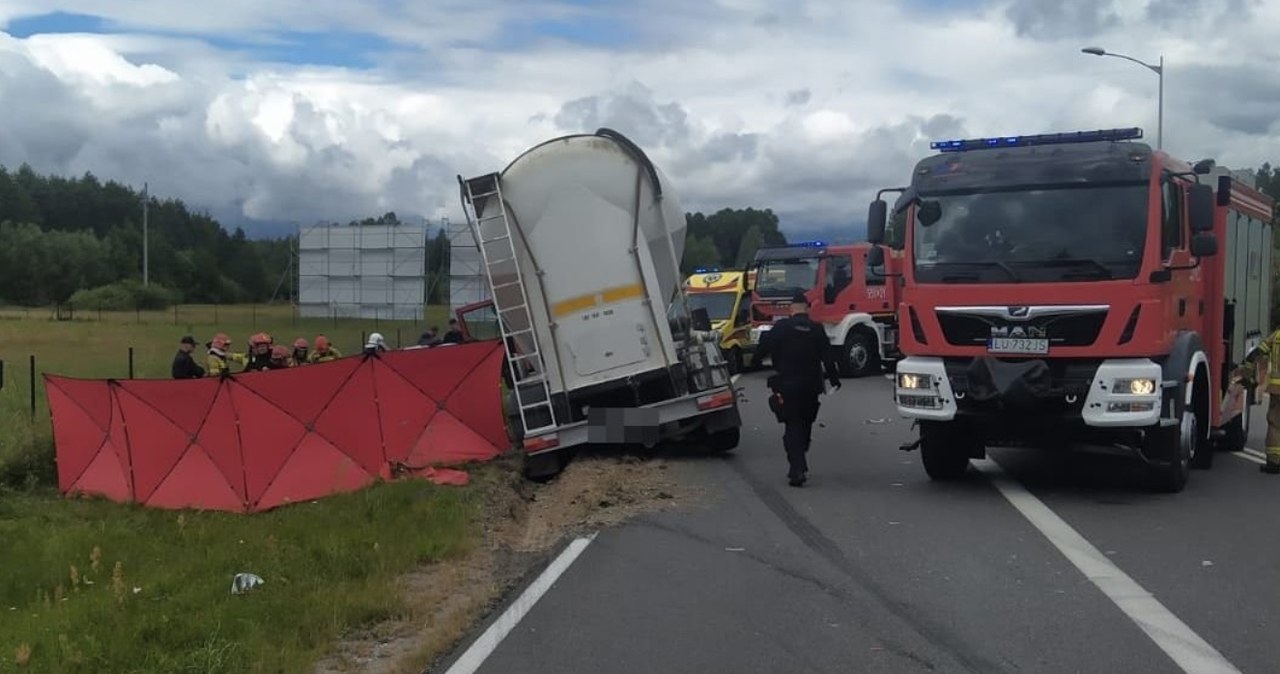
{"x":30,"y":465}
{"x":126,"y":296}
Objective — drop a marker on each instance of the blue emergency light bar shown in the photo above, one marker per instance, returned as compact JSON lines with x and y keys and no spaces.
{"x":704,"y":270}
{"x":1041,"y":139}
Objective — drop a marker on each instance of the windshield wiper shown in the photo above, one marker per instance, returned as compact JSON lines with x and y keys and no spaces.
{"x":1101,"y":270}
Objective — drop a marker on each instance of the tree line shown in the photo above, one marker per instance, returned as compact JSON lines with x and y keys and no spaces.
{"x":61,"y":236}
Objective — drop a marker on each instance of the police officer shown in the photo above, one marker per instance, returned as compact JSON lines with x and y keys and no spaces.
{"x":800,"y":351}
{"x":1263,"y":356}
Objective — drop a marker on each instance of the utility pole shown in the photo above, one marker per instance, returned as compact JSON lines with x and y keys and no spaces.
{"x":146,"y":262}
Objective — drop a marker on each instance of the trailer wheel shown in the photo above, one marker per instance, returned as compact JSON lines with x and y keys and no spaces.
{"x":724,"y":441}
{"x":858,"y":355}
{"x":546,"y":466}
{"x":945,"y":448}
{"x":735,"y":360}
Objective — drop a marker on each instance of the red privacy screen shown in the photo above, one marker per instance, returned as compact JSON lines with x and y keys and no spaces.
{"x":255,"y":441}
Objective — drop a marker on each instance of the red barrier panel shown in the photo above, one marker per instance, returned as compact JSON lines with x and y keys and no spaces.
{"x":255,"y":441}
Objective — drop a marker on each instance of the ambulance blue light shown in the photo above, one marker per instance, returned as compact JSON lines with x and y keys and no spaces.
{"x":1041,"y":139}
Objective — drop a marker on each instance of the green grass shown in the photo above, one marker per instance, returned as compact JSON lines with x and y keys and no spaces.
{"x":97,"y":345}
{"x":158,"y":597}
{"x":329,"y":566}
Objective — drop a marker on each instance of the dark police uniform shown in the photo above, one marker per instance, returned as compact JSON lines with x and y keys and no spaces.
{"x":800,"y":350}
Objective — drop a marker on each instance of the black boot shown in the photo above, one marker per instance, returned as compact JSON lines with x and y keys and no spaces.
{"x":1270,"y":468}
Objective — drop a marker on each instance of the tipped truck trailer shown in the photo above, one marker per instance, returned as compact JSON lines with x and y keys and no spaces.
{"x":581,"y":239}
{"x":854,"y":301}
{"x":1076,"y":287}
{"x":724,"y":296}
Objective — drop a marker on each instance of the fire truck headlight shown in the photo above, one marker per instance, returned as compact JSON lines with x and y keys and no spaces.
{"x":1137,"y":387}
{"x":909,"y":380}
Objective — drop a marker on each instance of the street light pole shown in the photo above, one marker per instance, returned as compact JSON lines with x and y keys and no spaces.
{"x":1158,"y":70}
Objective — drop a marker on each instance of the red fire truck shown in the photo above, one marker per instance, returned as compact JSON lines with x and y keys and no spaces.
{"x":856,"y":302}
{"x":1075,"y":287}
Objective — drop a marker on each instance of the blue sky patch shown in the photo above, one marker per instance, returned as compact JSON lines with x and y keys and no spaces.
{"x":594,"y":30}
{"x":328,"y":48}
{"x":56,"y":22}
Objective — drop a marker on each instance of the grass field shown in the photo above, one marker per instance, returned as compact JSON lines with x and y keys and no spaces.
{"x":92,"y":586}
{"x":97,"y":345}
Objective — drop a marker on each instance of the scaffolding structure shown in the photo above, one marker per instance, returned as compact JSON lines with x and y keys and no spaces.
{"x":362,"y":271}
{"x":467,"y":282}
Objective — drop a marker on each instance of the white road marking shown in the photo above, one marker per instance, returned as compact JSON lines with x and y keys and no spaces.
{"x":484,"y":646}
{"x":1254,"y":452}
{"x":1191,"y":653}
{"x":734,"y":379}
{"x":1249,"y":456}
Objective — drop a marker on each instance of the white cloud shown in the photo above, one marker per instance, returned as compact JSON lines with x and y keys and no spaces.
{"x":805,"y":108}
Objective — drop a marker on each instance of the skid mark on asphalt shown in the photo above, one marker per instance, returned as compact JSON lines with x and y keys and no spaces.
{"x":935,"y":634}
{"x":1191,"y":653}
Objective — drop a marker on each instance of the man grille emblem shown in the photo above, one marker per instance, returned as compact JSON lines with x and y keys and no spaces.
{"x":1019,"y":312}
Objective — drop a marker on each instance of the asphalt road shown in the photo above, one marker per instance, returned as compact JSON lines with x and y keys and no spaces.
{"x":873,"y":568}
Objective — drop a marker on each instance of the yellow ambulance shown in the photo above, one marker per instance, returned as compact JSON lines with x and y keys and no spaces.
{"x":724,"y":295}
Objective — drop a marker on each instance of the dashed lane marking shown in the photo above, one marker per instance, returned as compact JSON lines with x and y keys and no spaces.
{"x":488,"y":642}
{"x":1191,"y":653}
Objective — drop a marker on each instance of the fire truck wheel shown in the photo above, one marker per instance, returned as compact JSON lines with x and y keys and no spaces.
{"x":945,"y":449}
{"x":858,"y":355}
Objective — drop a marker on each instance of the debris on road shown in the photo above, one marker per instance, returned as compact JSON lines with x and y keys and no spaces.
{"x":242,"y":583}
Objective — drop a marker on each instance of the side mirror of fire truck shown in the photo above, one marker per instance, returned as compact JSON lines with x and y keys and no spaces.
{"x":1200,"y":208}
{"x":875,"y":256}
{"x":1204,"y":245}
{"x":877,"y":217}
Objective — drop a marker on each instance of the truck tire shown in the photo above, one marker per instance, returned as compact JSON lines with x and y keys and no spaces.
{"x":945,"y":448}
{"x":859,"y":355}
{"x":735,"y":360}
{"x":722,"y":442}
{"x":1236,"y":433}
{"x":546,"y":466}
{"x":1165,"y":446}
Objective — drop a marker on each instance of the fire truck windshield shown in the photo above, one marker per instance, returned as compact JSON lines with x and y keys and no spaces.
{"x":783,"y":278}
{"x":719,"y":306}
{"x":1032,"y":234}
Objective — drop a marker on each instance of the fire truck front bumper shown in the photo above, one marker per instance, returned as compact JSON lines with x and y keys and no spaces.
{"x":1113,"y":393}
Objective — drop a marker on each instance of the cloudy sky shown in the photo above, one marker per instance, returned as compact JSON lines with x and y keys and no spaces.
{"x":302,"y":110}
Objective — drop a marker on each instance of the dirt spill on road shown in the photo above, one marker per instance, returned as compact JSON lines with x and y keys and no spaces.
{"x":524,"y":524}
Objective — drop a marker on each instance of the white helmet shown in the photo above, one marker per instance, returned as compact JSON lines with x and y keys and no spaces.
{"x":376,"y":341}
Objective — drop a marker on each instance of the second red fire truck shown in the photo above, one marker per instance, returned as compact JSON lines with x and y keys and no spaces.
{"x":855,"y":302}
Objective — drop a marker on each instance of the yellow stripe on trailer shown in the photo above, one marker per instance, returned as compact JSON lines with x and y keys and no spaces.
{"x":588,"y":301}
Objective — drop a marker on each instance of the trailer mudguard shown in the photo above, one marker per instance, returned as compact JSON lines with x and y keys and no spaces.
{"x":1179,"y":366}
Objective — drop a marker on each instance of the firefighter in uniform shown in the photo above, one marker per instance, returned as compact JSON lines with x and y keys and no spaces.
{"x":259,"y":353}
{"x":1260,"y":358}
{"x":324,"y":351}
{"x":801,"y":352}
{"x":220,"y":356}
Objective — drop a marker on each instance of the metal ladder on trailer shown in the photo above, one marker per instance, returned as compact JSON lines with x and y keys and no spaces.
{"x":493,"y":237}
